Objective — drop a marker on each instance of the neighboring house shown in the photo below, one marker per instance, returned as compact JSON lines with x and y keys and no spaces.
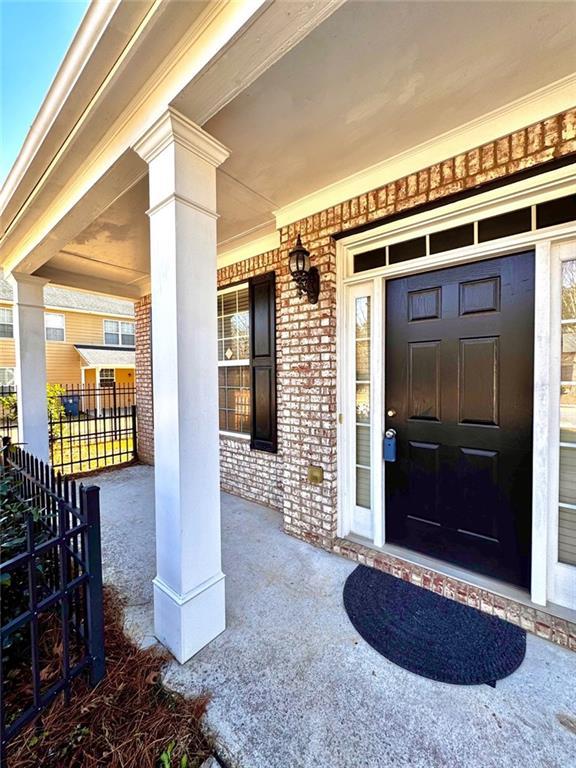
{"x":426,"y":155}
{"x":89,"y":338}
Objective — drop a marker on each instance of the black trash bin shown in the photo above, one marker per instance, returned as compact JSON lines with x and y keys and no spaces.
{"x":71,"y":404}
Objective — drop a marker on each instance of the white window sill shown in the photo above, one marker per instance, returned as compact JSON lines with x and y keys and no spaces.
{"x":239,"y":436}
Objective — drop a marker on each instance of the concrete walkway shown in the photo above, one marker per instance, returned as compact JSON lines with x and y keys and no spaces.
{"x":294,"y":686}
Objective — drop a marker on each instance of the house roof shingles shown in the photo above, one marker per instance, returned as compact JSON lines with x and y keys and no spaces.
{"x":107,"y":357}
{"x":66,"y":298}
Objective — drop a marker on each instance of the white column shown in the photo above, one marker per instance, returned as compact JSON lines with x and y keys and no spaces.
{"x":29,"y":337}
{"x":189,"y":608}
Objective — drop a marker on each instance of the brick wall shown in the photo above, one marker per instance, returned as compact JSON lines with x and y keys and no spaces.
{"x":306,"y":356}
{"x":144,"y":401}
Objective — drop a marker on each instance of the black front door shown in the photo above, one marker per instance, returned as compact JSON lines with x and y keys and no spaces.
{"x":459,"y":382}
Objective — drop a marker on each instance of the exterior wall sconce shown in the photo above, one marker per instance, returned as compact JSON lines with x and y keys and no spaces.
{"x":307,"y":278}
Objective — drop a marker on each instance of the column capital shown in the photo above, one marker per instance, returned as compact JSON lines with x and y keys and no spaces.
{"x":28,"y":289}
{"x":173,"y":126}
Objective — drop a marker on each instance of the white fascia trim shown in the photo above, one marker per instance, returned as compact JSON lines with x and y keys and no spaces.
{"x":538,"y":105}
{"x":90,"y":31}
{"x":254,"y":248}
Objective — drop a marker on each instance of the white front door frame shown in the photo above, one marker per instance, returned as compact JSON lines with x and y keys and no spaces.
{"x":547,"y":584}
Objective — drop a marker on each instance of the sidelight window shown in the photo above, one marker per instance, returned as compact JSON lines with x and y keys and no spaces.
{"x":362,"y":328}
{"x":567,"y":510}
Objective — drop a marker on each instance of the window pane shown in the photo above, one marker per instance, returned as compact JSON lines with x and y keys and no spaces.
{"x":54,"y":325}
{"x":567,"y":496}
{"x":107,"y":377}
{"x":363,"y":360}
{"x":6,"y":377}
{"x":363,"y":317}
{"x":363,"y":446}
{"x":569,"y":290}
{"x":234,"y":398}
{"x":6,"y":323}
{"x":568,"y":372}
{"x":54,"y":334}
{"x":233,"y":325}
{"x":568,"y":413}
{"x":127,"y":334}
{"x":112,"y":332}
{"x":363,"y":487}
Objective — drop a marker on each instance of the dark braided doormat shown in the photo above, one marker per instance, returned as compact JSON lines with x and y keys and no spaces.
{"x":430,"y":635}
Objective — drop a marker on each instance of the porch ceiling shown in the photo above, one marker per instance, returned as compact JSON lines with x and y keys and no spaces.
{"x":371,"y":81}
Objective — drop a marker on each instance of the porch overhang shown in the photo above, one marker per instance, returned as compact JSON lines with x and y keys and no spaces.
{"x":93,"y":356}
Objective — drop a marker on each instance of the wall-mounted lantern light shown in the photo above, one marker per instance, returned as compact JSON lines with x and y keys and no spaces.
{"x":307,"y":278}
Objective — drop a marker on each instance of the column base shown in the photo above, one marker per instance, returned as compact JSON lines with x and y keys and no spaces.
{"x":186,"y":623}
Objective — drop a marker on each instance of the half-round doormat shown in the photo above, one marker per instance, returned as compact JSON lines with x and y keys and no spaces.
{"x":428,"y":634}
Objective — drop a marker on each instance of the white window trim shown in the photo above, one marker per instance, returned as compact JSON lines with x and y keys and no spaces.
{"x":551,"y":581}
{"x":54,"y":314}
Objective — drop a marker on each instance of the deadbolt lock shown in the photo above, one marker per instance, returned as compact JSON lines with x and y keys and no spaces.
{"x":391,"y":412}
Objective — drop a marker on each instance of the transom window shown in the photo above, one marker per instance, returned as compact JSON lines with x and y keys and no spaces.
{"x":234,"y":359}
{"x":6,"y":324}
{"x":119,"y":333}
{"x":55,"y":327}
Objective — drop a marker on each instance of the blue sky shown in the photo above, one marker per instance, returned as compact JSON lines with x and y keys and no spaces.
{"x":34,"y":36}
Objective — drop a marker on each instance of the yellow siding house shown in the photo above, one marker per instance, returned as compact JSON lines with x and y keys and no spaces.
{"x":89,"y":338}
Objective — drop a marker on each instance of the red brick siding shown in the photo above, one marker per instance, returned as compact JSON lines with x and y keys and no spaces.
{"x":144,"y":400}
{"x":306,"y":362}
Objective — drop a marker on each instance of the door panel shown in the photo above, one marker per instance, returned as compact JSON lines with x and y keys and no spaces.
{"x":459,"y":373}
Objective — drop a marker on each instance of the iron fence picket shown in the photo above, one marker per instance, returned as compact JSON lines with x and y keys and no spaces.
{"x":70,"y":518}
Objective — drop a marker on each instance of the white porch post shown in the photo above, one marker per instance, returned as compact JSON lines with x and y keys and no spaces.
{"x":29,"y":337}
{"x":189,"y":608}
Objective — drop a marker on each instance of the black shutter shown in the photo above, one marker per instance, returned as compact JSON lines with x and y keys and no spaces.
{"x":263,"y":362}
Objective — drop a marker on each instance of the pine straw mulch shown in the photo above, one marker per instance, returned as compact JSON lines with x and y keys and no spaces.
{"x":129,"y":720}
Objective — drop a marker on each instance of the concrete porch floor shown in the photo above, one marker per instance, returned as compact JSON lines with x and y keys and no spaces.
{"x":293,"y":685}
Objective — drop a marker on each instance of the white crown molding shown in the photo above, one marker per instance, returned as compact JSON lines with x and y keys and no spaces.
{"x":176,"y":198}
{"x":538,"y":105}
{"x":246,"y":251}
{"x":173,"y":126}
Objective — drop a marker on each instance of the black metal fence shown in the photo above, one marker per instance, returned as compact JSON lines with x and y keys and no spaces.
{"x":52,"y":626}
{"x":90,"y":427}
{"x":8,"y":415}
